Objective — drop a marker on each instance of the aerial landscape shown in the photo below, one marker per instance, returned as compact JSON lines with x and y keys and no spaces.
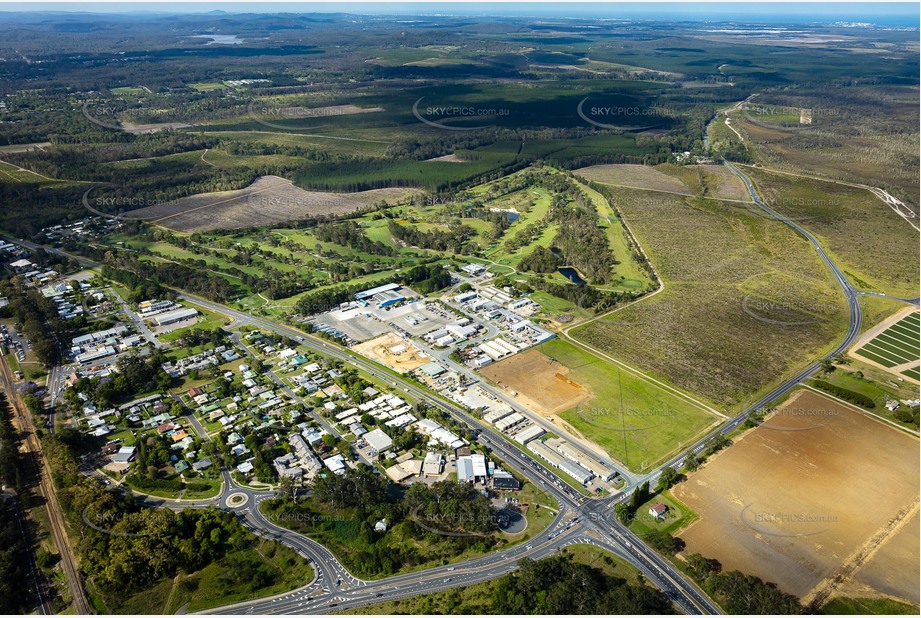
{"x":460,"y":308}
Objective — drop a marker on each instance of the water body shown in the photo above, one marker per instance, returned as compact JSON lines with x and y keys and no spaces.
{"x":512,"y":216}
{"x":572,"y":275}
{"x":220,"y":39}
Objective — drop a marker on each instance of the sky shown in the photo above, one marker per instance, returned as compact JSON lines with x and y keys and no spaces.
{"x":881,"y":13}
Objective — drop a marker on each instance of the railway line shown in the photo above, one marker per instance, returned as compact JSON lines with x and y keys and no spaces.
{"x":42,"y":471}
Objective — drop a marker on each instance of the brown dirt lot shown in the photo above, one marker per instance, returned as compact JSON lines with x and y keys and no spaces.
{"x":379,"y":349}
{"x":271,"y":199}
{"x":893,"y":570}
{"x":812,"y":494}
{"x":541,"y":386}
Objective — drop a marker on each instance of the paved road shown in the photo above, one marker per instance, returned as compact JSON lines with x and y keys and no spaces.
{"x":136,"y":319}
{"x":682,"y":592}
{"x":596,"y":515}
{"x":852,"y":295}
{"x":660,"y":572}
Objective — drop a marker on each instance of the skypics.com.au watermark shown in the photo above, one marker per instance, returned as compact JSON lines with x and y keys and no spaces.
{"x":815,"y":416}
{"x":625,"y":419}
{"x":105,"y":522}
{"x":604,"y":116}
{"x":781,"y":523}
{"x":772,"y":312}
{"x":474,"y":118}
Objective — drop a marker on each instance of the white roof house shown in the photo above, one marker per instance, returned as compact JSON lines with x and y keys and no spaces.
{"x":378,"y":440}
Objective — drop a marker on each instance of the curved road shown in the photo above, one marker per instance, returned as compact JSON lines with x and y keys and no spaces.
{"x":335,"y":587}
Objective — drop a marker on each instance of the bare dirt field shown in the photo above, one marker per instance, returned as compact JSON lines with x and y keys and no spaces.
{"x":269,"y":200}
{"x":893,"y":570}
{"x":449,"y":158}
{"x":635,"y":176}
{"x":541,"y":385}
{"x":723,"y":184}
{"x":808,"y":498}
{"x":140,"y":129}
{"x":379,"y":349}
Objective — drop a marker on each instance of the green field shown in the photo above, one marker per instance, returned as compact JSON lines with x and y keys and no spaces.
{"x":129,"y":91}
{"x":206,"y":86}
{"x":855,"y":606}
{"x":879,"y":385}
{"x":745,"y":299}
{"x":216,"y":584}
{"x":898,"y":344}
{"x":679,"y":516}
{"x":635,"y":420}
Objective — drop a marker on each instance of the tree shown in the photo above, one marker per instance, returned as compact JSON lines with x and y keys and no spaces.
{"x":701,"y":567}
{"x":668,"y":477}
{"x":691,"y":462}
{"x":286,"y":486}
{"x":663,"y":542}
{"x":738,"y":593}
{"x":640,"y":495}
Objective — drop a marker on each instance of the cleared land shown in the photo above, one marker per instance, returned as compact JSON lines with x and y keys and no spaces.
{"x":625,"y":415}
{"x":636,"y":176}
{"x":746,"y":300}
{"x":542,"y":384}
{"x":380,"y":349}
{"x":894,"y":345}
{"x":269,"y":200}
{"x":894,"y":569}
{"x":807,"y":497}
{"x":852,"y":139}
{"x":877,"y":249}
{"x":702,"y":180}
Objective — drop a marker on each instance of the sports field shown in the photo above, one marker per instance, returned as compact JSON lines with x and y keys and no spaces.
{"x":897,"y":347}
{"x":634,"y":420}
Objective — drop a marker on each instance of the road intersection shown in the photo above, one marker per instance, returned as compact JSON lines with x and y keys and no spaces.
{"x":588,"y":520}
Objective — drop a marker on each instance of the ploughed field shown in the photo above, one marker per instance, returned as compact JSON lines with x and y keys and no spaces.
{"x":267,"y":201}
{"x":818,"y":492}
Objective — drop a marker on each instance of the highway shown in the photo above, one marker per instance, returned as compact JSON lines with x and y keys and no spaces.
{"x":596,"y":518}
{"x":852,"y":295}
{"x":659,"y":571}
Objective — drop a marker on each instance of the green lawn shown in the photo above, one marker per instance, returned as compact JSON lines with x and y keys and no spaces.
{"x":218,"y":583}
{"x":679,"y":516}
{"x":636,"y":421}
{"x":206,"y":86}
{"x":848,"y":606}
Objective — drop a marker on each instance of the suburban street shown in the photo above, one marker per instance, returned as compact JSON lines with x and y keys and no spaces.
{"x":335,"y":587}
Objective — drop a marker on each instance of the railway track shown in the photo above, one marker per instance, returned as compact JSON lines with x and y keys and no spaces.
{"x":42,"y":472}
